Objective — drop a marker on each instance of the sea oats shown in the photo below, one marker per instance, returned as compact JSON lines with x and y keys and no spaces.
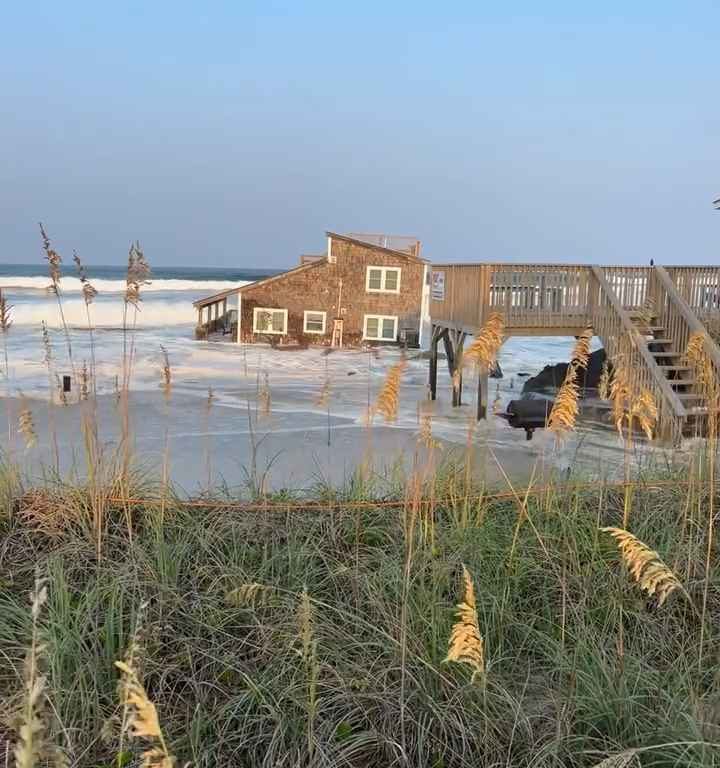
{"x":88,"y":291}
{"x":54,"y":261}
{"x":581,"y":350}
{"x":5,"y":314}
{"x":565,"y":409}
{"x":487,"y":342}
{"x":143,"y":722}
{"x":26,"y":427}
{"x":388,"y":401}
{"x":249,"y":595}
{"x":645,"y":565}
{"x":466,"y":644}
{"x":31,"y":748}
{"x":165,"y":374}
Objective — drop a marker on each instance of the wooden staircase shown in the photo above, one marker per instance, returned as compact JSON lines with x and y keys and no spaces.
{"x":671,"y":363}
{"x":655,"y":333}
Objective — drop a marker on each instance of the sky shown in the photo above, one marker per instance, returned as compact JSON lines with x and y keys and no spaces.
{"x":237,"y":133}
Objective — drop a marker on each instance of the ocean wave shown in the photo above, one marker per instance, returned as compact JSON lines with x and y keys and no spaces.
{"x":155,"y":313}
{"x":73,"y":284}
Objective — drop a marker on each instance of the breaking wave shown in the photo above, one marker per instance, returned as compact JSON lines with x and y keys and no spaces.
{"x":73,"y":284}
{"x":103,"y":314}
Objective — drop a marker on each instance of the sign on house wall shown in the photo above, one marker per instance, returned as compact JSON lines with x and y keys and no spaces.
{"x":437,"y":288}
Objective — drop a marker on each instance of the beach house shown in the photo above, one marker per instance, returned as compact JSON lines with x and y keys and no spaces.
{"x":362,"y":289}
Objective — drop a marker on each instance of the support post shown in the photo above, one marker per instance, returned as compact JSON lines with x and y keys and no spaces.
{"x":434,"y":338}
{"x":453,"y":341}
{"x":482,"y":396}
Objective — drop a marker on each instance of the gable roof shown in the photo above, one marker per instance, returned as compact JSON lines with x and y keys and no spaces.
{"x":232,"y":291}
{"x":357,"y":240}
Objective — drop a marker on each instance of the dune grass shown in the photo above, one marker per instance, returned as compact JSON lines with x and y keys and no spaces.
{"x":276,"y":637}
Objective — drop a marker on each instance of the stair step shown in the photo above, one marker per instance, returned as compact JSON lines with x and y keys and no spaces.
{"x":674,"y":367}
{"x":666,"y":354}
{"x":659,"y":341}
{"x":686,"y":396}
{"x":682,"y":382}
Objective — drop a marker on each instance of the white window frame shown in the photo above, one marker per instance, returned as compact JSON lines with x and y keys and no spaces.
{"x":383,"y":279}
{"x":257,"y":310}
{"x":314,"y":312}
{"x":380,"y":319}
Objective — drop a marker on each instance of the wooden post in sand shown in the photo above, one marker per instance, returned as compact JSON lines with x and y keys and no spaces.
{"x":482,"y":396}
{"x":434,"y":339}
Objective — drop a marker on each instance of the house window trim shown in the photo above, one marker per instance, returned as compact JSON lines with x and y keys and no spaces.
{"x":256,"y":310}
{"x":315,"y":312}
{"x":380,"y":318}
{"x":383,"y":279}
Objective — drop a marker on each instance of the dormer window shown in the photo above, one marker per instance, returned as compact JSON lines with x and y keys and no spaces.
{"x":382,"y":280}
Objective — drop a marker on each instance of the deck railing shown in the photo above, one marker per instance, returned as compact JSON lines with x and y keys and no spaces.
{"x":699,"y":287}
{"x":530,"y":297}
{"x":629,"y":285}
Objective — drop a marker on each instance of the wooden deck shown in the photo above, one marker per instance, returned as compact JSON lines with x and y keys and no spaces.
{"x":644,"y":315}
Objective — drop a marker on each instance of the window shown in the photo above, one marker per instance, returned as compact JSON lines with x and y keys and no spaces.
{"x":314,"y":322}
{"x":269,"y":320}
{"x":382,"y":280}
{"x":380,"y":327}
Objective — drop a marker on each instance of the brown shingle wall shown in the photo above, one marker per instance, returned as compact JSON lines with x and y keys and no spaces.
{"x":317,"y":289}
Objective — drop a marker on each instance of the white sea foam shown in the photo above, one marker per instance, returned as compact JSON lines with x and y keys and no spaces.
{"x":73,"y":284}
{"x":103,"y":314}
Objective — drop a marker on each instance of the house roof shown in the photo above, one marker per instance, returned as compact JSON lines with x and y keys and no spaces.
{"x":200,"y":303}
{"x":359,"y":240}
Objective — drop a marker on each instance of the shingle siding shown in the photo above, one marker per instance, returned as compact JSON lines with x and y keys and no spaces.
{"x":317,"y":288}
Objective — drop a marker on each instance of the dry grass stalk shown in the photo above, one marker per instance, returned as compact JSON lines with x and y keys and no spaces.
{"x":565,"y":409}
{"x":54,"y":261}
{"x":165,"y":374}
{"x":425,"y":436}
{"x":487,"y":343}
{"x":605,"y":381}
{"x":84,"y":382}
{"x":620,"y":394}
{"x":31,"y":747}
{"x":143,"y":721}
{"x":698,"y":359}
{"x":466,"y":643}
{"x":581,"y":350}
{"x":88,"y":290}
{"x":388,"y":400}
{"x":644,"y":409}
{"x":5,"y":314}
{"x":264,"y":396}
{"x":619,"y":760}
{"x":138,"y":274}
{"x":26,"y":427}
{"x":645,"y":565}
{"x":497,"y":401}
{"x":323,"y":398}
{"x":646,"y":314}
{"x":308,"y":654}
{"x":249,"y":595}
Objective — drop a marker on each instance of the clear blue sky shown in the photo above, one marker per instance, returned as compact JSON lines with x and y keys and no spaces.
{"x":236,"y":133}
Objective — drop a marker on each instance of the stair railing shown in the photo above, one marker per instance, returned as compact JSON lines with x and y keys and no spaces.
{"x":621,"y":340}
{"x":680,"y":321}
